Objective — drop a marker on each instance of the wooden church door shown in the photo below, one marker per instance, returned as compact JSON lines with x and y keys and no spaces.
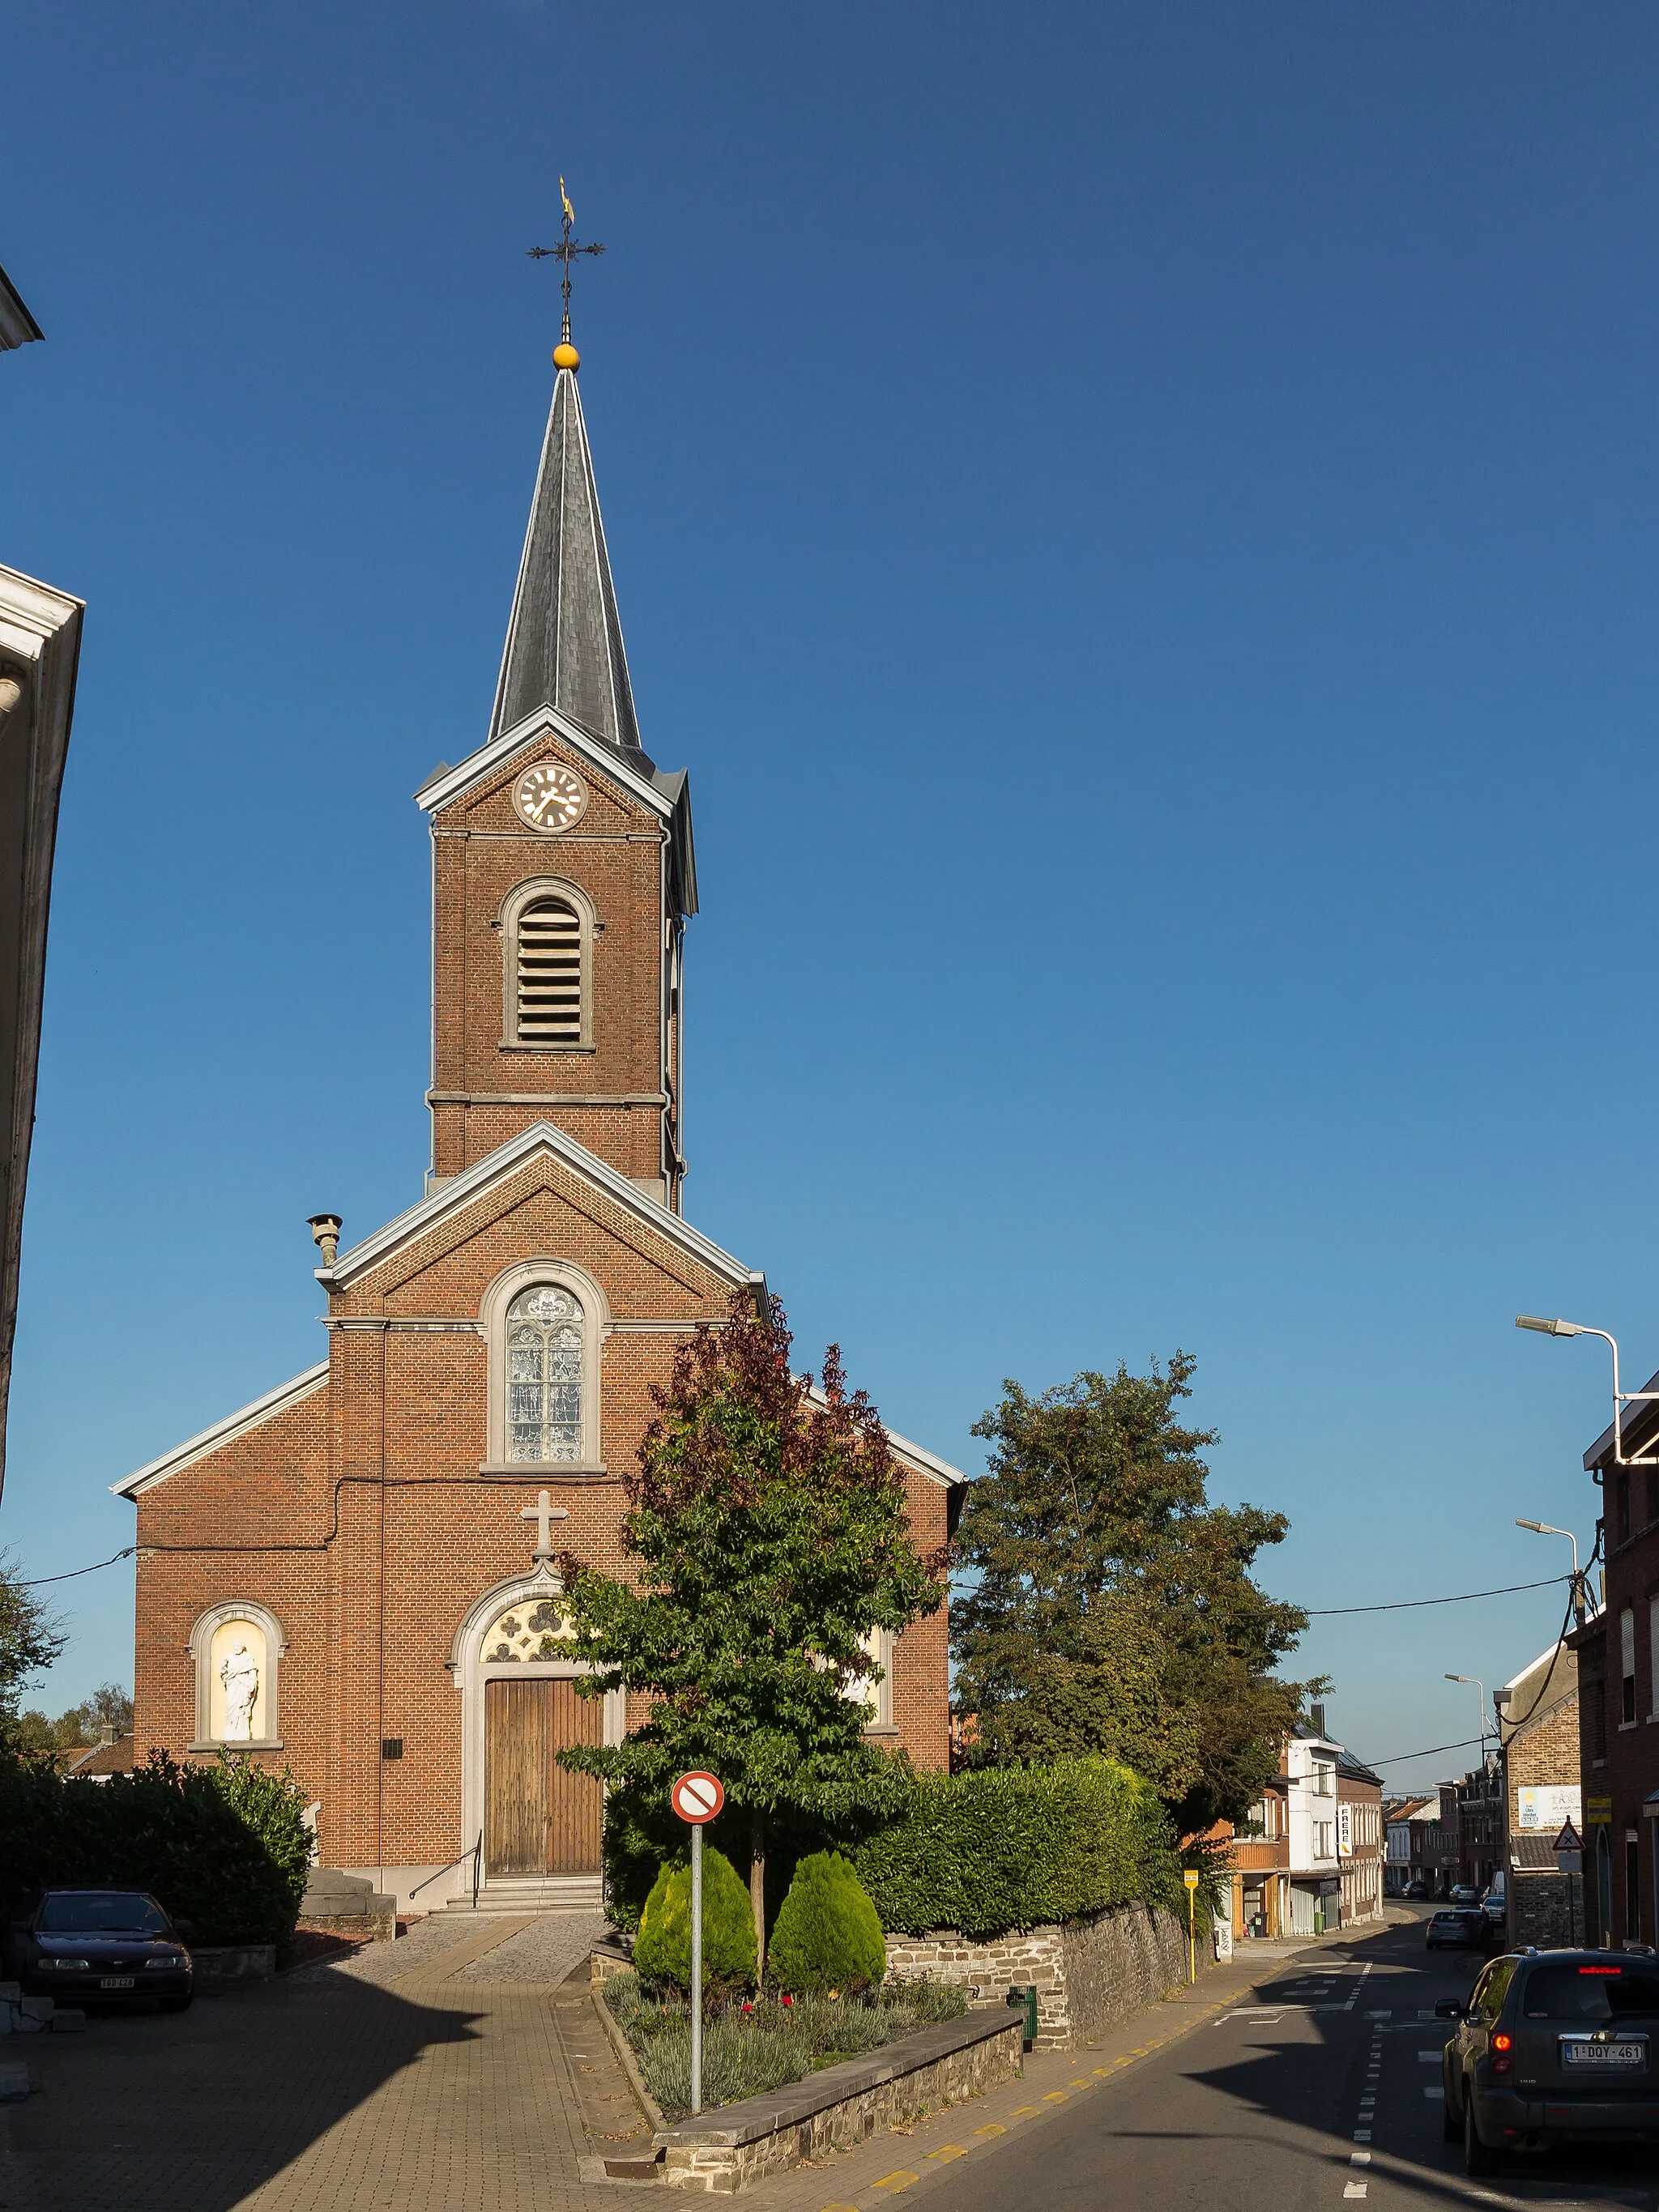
{"x":538,"y":1818}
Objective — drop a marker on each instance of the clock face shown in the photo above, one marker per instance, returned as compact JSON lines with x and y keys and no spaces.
{"x":550,"y":796}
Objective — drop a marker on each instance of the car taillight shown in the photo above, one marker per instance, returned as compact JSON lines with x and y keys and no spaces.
{"x":1501,"y":2043}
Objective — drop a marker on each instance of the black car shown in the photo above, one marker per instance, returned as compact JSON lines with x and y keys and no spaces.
{"x":98,"y":1947}
{"x":1552,"y":2047}
{"x":1460,"y":1928}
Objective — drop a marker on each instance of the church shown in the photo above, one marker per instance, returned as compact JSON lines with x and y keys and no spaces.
{"x":355,"y":1576}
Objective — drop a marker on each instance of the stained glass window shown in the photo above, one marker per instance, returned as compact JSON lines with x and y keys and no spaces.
{"x":545,"y":1376}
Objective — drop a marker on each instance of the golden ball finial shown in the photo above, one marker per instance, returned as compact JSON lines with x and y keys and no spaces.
{"x":565,"y":355}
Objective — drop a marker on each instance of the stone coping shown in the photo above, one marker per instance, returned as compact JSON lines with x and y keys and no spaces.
{"x":730,"y":2126}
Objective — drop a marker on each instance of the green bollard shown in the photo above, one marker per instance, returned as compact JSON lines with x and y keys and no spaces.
{"x":1026,"y":2000}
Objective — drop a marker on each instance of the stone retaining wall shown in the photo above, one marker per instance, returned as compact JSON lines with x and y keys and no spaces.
{"x":1089,"y":1973}
{"x":832,"y":2110}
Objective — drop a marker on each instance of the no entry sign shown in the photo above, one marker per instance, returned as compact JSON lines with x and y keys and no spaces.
{"x":697,"y":1797}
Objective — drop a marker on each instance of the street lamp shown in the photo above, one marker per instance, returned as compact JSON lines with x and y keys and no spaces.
{"x":1620,"y":1398}
{"x":1545,"y":1528}
{"x":1481,"y":1686}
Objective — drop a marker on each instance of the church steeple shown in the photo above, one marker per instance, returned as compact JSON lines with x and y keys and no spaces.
{"x":564,"y":641}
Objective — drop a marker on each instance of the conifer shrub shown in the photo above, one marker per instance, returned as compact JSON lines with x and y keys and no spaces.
{"x":827,"y":1935}
{"x":1002,"y":1848}
{"x":662,"y":1950}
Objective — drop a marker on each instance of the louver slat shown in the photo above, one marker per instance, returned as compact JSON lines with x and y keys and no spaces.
{"x":549,"y":974}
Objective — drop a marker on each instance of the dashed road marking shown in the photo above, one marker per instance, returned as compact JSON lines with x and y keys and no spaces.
{"x":1359,"y":2158}
{"x":1353,"y":2189}
{"x":1362,"y":2134}
{"x":1055,"y":2097}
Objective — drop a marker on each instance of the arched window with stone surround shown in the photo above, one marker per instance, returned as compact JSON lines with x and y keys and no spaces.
{"x":545,"y":1346}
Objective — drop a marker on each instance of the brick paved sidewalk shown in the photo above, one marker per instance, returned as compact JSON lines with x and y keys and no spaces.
{"x":327,"y":2095}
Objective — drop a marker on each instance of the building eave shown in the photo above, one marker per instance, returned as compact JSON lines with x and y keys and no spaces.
{"x":448,"y":784}
{"x":925,"y":1462}
{"x":505,"y":1160}
{"x":17,"y":326}
{"x":224,"y":1432}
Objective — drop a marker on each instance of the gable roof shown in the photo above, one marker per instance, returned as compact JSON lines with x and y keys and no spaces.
{"x":506,"y":1158}
{"x":667,"y":792}
{"x":926,"y":1462}
{"x":221,"y":1432}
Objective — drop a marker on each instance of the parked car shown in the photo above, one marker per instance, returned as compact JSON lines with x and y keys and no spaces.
{"x":1462,"y":1893}
{"x":1458,"y":1927}
{"x":1494,"y":1906}
{"x":1553,"y":2047}
{"x":1418,"y":1888}
{"x":98,"y":1947}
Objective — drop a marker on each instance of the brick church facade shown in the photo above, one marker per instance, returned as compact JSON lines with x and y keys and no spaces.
{"x":354,"y":1577}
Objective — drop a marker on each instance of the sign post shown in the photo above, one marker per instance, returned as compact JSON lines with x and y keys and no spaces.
{"x":696,"y":1797}
{"x":1570,"y":1862}
{"x":1191,"y":1880}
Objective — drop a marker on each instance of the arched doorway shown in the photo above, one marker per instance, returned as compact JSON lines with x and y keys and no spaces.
{"x":529,"y":1817}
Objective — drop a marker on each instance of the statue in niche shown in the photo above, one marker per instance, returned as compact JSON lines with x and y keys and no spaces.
{"x":240,"y":1675}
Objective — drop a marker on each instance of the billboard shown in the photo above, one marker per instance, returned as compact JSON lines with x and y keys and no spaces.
{"x":1546,"y":1806}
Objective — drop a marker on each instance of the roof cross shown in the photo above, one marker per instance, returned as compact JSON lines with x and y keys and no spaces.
{"x":543,"y":1512}
{"x":566,"y":251}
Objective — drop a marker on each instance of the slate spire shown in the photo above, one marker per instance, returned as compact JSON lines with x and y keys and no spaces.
{"x":564,"y":641}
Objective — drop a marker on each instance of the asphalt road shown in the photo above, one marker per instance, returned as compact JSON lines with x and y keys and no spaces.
{"x":1322,"y":2090}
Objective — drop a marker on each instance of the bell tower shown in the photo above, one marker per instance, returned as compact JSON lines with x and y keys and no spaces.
{"x":563,"y":868}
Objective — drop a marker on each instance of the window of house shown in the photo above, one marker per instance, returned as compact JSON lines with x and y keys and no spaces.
{"x":546,"y":1344}
{"x":1627,"y":1663}
{"x":547,"y":934}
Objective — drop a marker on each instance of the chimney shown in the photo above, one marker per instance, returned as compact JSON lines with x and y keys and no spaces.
{"x":325,"y":1234}
{"x":1316,"y":1715}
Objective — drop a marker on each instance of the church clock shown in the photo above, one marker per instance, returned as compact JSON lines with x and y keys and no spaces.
{"x":550,"y":796}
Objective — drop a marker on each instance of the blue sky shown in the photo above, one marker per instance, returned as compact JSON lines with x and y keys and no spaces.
{"x":1139,"y":521}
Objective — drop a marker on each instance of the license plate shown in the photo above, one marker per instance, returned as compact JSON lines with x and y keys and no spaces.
{"x":116,"y":1982}
{"x":1604,"y":2054}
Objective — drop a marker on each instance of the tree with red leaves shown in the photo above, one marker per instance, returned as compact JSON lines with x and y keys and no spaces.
{"x":770,"y":1528}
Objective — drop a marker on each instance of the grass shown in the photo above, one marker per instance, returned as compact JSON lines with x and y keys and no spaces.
{"x":749,"y":2048}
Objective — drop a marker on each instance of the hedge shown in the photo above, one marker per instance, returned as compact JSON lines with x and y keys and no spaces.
{"x":223,"y":1847}
{"x":1003,"y":1847}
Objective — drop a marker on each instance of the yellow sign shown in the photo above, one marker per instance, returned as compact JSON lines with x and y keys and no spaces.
{"x":1190,"y":1879}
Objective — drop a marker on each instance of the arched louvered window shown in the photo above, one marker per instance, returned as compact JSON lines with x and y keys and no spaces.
{"x":545,"y":1342}
{"x":548,"y":979}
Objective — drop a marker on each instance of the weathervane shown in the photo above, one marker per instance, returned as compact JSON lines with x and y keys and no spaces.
{"x":565,"y":251}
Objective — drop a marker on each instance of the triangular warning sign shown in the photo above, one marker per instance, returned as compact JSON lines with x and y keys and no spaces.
{"x":1569,"y":1839}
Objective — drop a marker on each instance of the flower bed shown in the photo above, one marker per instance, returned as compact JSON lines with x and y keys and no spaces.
{"x":749,"y":2048}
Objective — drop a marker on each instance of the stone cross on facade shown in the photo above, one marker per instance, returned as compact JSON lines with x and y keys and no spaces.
{"x":544,"y":1513}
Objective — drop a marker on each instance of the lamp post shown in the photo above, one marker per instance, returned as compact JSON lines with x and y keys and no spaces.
{"x":1480,"y":1686}
{"x":1620,"y":1398}
{"x":1545,"y":1528}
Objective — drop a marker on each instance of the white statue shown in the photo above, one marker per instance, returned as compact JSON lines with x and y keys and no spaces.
{"x":240,"y":1677}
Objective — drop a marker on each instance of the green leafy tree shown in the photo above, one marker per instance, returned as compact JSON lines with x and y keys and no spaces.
{"x":1112,"y":1609}
{"x":662,"y":1951}
{"x":771,"y":1534}
{"x":827,"y":1935}
{"x":30,"y":1640}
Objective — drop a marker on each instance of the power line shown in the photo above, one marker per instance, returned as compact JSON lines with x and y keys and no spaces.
{"x":39,"y":1579}
{"x":1408,"y":1604}
{"x":1400,"y":1757}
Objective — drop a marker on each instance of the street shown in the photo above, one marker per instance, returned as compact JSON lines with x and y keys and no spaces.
{"x":1322,"y":2089}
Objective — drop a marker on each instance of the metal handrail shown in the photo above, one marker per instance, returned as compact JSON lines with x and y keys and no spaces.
{"x":474,"y":1854}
